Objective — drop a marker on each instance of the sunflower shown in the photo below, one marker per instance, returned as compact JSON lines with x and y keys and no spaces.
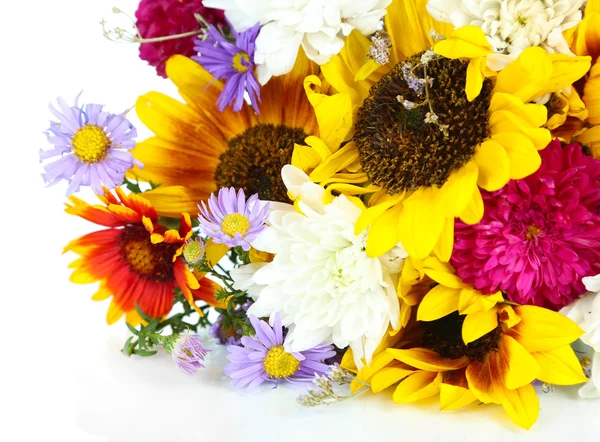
{"x":136,"y":259}
{"x":434,"y":126}
{"x":494,"y":364}
{"x":198,"y":149}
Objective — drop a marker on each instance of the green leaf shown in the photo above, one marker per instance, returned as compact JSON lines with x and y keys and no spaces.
{"x":143,"y":315}
{"x":132,"y":329}
{"x":128,"y":347}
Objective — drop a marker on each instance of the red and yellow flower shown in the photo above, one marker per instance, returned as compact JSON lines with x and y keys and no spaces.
{"x":136,"y":259}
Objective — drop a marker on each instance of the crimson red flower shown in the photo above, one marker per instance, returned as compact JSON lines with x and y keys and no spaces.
{"x":161,"y":18}
{"x":540,"y":235}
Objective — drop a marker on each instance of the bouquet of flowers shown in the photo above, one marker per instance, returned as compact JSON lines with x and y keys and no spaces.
{"x":379,"y":194}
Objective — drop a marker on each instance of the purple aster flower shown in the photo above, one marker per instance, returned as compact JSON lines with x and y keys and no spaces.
{"x":233,"y":63}
{"x":92,"y":145}
{"x":263,"y":358}
{"x":232,"y":220}
{"x":187,"y":352}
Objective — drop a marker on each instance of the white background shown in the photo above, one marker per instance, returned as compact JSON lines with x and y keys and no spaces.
{"x":62,"y":376}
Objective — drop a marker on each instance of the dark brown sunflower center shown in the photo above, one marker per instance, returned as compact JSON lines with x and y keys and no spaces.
{"x":150,"y":261}
{"x":417,"y":126}
{"x":444,"y":336}
{"x":254,"y":159}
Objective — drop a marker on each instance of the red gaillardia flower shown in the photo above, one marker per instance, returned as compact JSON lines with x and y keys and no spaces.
{"x":136,"y":259}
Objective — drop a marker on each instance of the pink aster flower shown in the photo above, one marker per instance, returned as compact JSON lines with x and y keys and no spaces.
{"x":161,"y":18}
{"x":539,"y":236}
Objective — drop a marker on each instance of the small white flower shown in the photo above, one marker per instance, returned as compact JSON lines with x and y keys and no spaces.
{"x":318,"y":25}
{"x":321,"y":281}
{"x":586,"y":313}
{"x":512,"y":26}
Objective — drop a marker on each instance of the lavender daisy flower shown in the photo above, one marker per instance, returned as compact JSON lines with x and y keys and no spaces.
{"x":263,"y":358}
{"x":92,"y":145}
{"x":187,"y":352}
{"x":233,"y":63}
{"x":231,"y":220}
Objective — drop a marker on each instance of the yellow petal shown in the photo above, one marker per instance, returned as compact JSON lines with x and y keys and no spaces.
{"x":494,"y":166}
{"x":480,"y":382}
{"x":465,"y":42}
{"x":475,"y":78}
{"x":420,"y":224}
{"x":523,"y":157}
{"x":479,"y":324}
{"x":172,"y":201}
{"x":439,"y":302}
{"x":541,"y":329}
{"x":525,"y":76}
{"x":372,"y":213}
{"x":566,"y":70}
{"x":384,"y":234}
{"x":334,"y":113}
{"x":114,"y":313}
{"x":335,"y":163}
{"x":366,"y":70}
{"x":305,"y":158}
{"x":534,"y":115}
{"x":419,"y":385}
{"x":215,"y":252}
{"x":474,"y":210}
{"x":387,"y":377}
{"x":425,"y":359}
{"x":505,"y":121}
{"x":453,"y":397}
{"x":473,"y":301}
{"x":522,"y":405}
{"x":444,"y":246}
{"x":102,"y":293}
{"x":560,"y":367}
{"x":455,"y":194}
{"x":523,"y":369}
{"x":442,"y":273}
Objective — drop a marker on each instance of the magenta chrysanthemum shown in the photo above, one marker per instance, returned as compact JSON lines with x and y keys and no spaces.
{"x":162,"y":18}
{"x":539,"y":236}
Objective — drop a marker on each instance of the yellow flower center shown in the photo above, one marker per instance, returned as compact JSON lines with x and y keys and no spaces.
{"x":90,"y":144}
{"x":193,"y":252}
{"x":140,"y":256}
{"x":279,"y":364}
{"x":532,"y":232}
{"x":235,"y":223}
{"x":241,"y":60}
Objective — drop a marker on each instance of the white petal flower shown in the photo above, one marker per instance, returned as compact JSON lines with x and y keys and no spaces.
{"x":586,"y":313}
{"x":319,"y":26}
{"x":512,"y":26}
{"x":321,"y":281}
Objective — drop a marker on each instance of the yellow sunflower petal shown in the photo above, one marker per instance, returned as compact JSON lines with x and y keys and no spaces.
{"x":455,"y":194}
{"x":523,"y":157}
{"x":305,"y":158}
{"x":541,"y":329}
{"x":522,"y":405}
{"x":440,"y":301}
{"x":417,"y":386}
{"x":473,"y":301}
{"x":522,"y":366}
{"x":453,"y":397}
{"x":372,"y":213}
{"x":506,"y":121}
{"x":479,"y":324}
{"x":494,"y":165}
{"x":560,"y":366}
{"x":525,"y":76}
{"x":465,"y":42}
{"x":442,"y":273}
{"x":172,"y":201}
{"x":475,"y":78}
{"x":444,"y":246}
{"x":387,"y":377}
{"x":480,"y":382}
{"x":474,"y":210}
{"x":335,"y":163}
{"x":384,"y":233}
{"x":534,"y":115}
{"x":566,"y":70}
{"x":425,"y":359}
{"x":420,"y":223}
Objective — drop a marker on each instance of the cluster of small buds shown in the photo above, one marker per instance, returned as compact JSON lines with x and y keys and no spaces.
{"x":407,"y":104}
{"x":415,"y":83}
{"x":381,"y":44}
{"x":586,"y":364}
{"x":428,"y":55}
{"x":324,"y":393}
{"x":434,"y":34}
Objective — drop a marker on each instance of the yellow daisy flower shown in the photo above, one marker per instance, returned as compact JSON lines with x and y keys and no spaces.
{"x":430,"y":358}
{"x":435,"y":128}
{"x":198,"y":149}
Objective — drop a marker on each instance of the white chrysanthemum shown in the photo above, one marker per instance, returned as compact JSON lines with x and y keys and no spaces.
{"x":321,"y":280}
{"x":512,"y":26}
{"x":586,"y":313}
{"x":318,"y":25}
